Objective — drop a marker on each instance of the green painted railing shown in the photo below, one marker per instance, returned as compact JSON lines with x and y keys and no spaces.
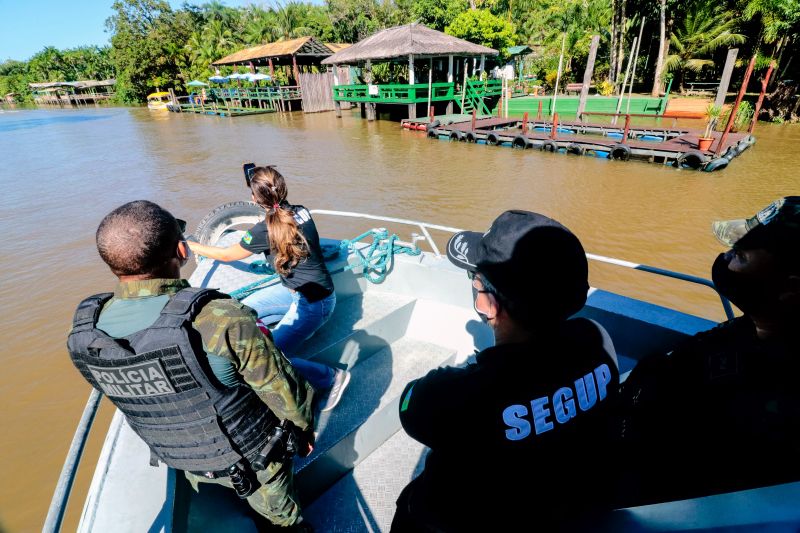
{"x":258,"y":93}
{"x":394,"y":93}
{"x":476,"y":91}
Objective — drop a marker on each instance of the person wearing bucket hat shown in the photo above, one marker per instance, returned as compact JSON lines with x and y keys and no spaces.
{"x":721,"y":412}
{"x":517,"y":437}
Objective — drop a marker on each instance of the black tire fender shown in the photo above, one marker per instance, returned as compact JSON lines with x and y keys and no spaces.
{"x":470,"y":137}
{"x":432,"y":125}
{"x":456,"y":135}
{"x":549,"y":146}
{"x":620,"y":152}
{"x":493,"y":139}
{"x":224,"y":218}
{"x":730,"y":153}
{"x":520,"y":141}
{"x":433,"y":133}
{"x":716,"y":164}
{"x":575,"y":149}
{"x":693,"y":159}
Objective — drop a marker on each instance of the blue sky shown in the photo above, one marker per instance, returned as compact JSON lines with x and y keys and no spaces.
{"x":27,"y":26}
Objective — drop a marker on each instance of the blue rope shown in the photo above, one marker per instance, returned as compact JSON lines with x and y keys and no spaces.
{"x":377,"y":260}
{"x":260,"y":267}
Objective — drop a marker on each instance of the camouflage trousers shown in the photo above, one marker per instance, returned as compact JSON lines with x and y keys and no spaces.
{"x":275,"y":500}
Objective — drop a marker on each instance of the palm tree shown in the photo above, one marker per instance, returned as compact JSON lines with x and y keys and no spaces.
{"x":703,"y":30}
{"x":260,"y":27}
{"x":218,"y":37}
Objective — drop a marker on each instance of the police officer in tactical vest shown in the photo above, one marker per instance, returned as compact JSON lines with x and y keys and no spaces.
{"x":517,"y":438}
{"x":195,"y":377}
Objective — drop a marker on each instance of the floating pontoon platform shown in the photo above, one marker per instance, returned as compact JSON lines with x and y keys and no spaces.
{"x":677,"y":147}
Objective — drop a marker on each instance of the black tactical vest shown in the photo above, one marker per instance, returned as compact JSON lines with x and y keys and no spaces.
{"x":160,"y":379}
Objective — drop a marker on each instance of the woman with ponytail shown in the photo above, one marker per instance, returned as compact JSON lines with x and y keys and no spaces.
{"x":305,"y":298}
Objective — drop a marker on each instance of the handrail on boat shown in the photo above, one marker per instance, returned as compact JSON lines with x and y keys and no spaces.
{"x":423,"y":226}
{"x":600,"y":258}
{"x":58,"y":505}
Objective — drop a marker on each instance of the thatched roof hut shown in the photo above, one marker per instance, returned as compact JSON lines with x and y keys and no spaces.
{"x":307,"y":50}
{"x":444,"y":59}
{"x":404,"y":41}
{"x":303,"y":51}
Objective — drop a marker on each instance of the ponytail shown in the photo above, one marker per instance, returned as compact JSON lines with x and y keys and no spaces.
{"x":287,"y":244}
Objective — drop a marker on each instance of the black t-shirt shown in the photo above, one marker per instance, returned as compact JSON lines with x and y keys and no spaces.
{"x":309,"y":277}
{"x":518,"y":437}
{"x":721,"y":412}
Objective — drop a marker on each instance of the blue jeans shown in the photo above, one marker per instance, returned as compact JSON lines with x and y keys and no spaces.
{"x":297,"y":319}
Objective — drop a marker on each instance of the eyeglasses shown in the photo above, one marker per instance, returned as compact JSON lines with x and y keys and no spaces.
{"x":484,"y":288}
{"x":181,"y":225}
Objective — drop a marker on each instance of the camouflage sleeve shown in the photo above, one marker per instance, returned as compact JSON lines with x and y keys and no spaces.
{"x":229,"y":330}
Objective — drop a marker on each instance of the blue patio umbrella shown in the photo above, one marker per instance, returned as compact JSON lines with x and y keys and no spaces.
{"x":218,"y":79}
{"x":257,"y":77}
{"x":196,"y":83}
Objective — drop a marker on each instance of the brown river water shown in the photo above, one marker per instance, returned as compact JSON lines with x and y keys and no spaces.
{"x":62,"y":171}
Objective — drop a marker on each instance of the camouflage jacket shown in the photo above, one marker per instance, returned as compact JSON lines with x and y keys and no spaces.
{"x":228,"y":329}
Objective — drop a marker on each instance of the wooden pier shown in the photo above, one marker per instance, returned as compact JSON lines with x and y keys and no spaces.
{"x":676,"y":147}
{"x":237,"y":102}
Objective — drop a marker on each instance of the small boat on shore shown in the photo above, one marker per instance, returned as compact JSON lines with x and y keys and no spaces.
{"x":402,"y":310}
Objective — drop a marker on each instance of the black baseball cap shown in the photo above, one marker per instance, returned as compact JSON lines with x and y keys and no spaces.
{"x":532,"y":260}
{"x":776,"y":227}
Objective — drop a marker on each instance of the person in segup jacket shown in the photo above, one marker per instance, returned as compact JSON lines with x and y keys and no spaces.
{"x":518,"y":438}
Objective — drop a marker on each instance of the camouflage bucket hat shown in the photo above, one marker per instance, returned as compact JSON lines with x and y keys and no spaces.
{"x":781,"y":216}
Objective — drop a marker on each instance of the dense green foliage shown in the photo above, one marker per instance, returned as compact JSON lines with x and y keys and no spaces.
{"x":156,"y":46}
{"x":480,"y":26}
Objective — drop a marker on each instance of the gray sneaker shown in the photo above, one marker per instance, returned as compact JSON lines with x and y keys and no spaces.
{"x":340,"y":382}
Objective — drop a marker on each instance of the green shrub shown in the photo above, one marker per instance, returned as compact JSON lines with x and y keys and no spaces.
{"x":605,"y":88}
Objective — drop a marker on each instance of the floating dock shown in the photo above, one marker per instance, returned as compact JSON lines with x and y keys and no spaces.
{"x":676,"y":147}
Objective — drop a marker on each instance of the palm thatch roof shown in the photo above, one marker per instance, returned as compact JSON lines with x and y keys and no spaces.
{"x":307,"y":49}
{"x":402,"y":41}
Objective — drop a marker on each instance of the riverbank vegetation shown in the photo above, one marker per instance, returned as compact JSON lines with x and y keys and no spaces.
{"x":155,"y":46}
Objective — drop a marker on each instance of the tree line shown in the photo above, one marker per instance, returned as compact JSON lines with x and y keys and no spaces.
{"x":154,"y":45}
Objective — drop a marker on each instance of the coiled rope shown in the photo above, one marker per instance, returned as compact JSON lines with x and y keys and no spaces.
{"x":375,"y":262}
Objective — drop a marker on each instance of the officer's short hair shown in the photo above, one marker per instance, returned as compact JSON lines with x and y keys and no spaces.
{"x":137,"y":238}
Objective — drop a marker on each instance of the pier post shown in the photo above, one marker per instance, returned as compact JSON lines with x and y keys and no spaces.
{"x":554,"y":126}
{"x":449,"y":110}
{"x":474,"y":117}
{"x":757,"y":110}
{"x":627,"y":129}
{"x":735,"y":108}
{"x":587,"y":75}
{"x":539,"y":111}
{"x":271,"y":70}
{"x":525,"y":123}
{"x":722,"y":90}
{"x":625,"y":79}
{"x":412,"y":108}
{"x":633,"y":72}
{"x":370,"y":107}
{"x":295,"y":70}
{"x":337,"y":105}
